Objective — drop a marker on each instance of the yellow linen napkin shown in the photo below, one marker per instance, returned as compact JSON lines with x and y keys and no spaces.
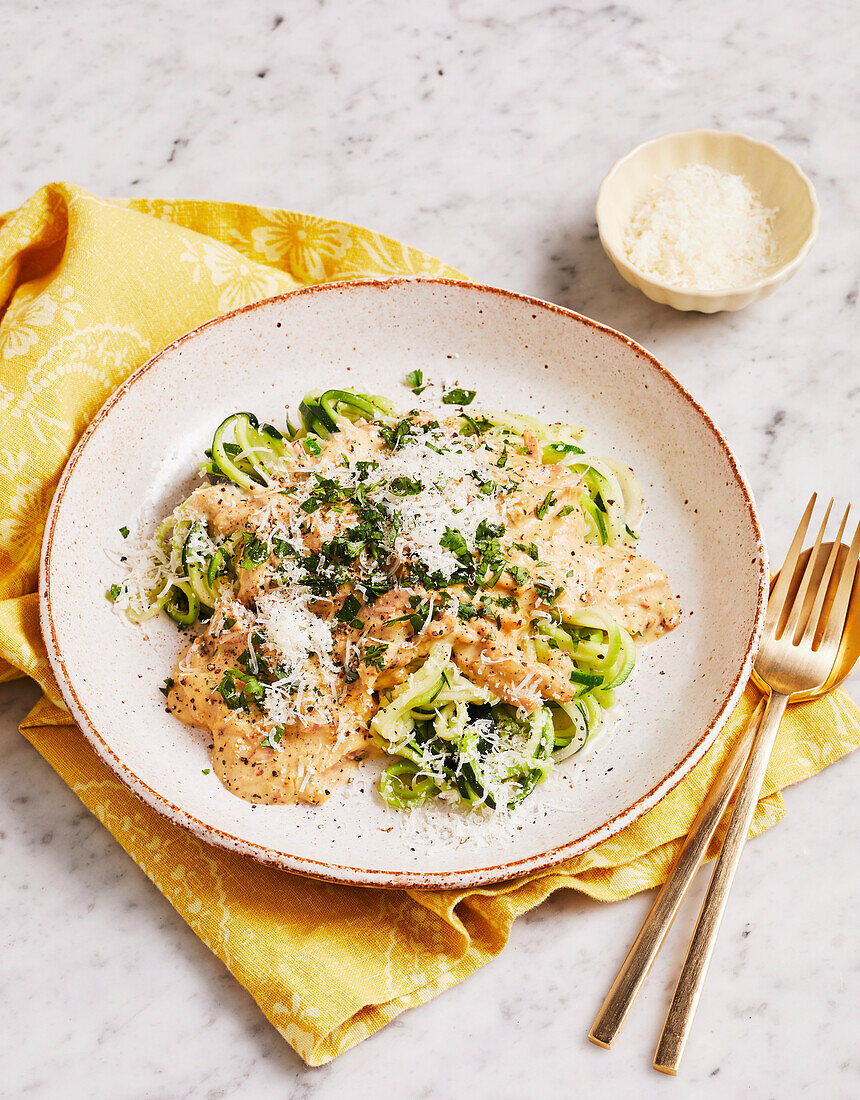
{"x":90,"y":289}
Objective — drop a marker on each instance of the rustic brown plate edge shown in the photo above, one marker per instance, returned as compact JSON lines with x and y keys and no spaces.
{"x":333,"y":872}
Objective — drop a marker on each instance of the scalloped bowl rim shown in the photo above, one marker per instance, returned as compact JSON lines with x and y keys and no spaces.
{"x":772,"y":279}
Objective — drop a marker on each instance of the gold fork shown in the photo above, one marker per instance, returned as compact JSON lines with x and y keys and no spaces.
{"x":796,"y":654}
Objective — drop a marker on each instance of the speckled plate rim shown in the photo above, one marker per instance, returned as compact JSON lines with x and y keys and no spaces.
{"x":363,"y":876}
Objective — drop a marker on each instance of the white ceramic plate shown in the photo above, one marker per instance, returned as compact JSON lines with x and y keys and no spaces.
{"x":138,"y":459}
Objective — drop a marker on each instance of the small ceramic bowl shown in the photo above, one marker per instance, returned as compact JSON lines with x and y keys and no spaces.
{"x":778,"y":180}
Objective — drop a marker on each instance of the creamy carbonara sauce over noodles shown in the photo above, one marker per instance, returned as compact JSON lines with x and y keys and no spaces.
{"x":460,"y":592}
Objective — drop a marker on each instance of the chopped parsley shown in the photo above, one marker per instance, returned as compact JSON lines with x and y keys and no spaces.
{"x":545,"y":504}
{"x":363,"y":467}
{"x":240,"y":689}
{"x":256,"y":551}
{"x":406,"y":486}
{"x":348,"y":611}
{"x":273,"y":737}
{"x":454,"y":541}
{"x":113,"y":592}
{"x":124,"y":532}
{"x":422,"y":610}
{"x":529,"y":549}
{"x":492,"y":563}
{"x":486,"y":532}
{"x":458,"y":396}
{"x":374,"y":655}
{"x":479,"y":424}
{"x":415,"y":381}
{"x":559,"y":449}
{"x":166,"y":686}
{"x":396,"y":435}
{"x":326,"y":491}
{"x":486,"y":487}
{"x":282,"y":548}
{"x":547,"y":592}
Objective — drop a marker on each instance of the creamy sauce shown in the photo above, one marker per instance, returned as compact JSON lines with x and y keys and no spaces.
{"x":300,"y":740}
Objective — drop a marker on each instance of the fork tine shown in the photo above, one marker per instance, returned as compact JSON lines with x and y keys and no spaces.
{"x":794,"y":614}
{"x":780,"y":591}
{"x":812,"y":622}
{"x":839,"y":610}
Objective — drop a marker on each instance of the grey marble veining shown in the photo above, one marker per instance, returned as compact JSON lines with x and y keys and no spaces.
{"x":478,"y":130}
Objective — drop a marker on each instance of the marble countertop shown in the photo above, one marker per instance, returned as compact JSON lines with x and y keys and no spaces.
{"x":478,"y":130}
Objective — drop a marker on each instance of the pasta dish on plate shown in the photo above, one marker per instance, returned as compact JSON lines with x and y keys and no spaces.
{"x":457,"y":590}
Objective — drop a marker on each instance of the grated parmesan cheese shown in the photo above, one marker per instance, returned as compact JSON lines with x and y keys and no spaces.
{"x":154,"y":566}
{"x":299,"y":636}
{"x":699,"y":227}
{"x":292,"y":628}
{"x":450,"y":498}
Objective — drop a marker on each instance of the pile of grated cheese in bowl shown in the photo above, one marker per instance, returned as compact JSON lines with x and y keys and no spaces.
{"x":701,"y":228}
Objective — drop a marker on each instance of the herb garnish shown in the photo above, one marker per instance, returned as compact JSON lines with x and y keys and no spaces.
{"x":564,"y":449}
{"x":256,"y":551}
{"x":415,"y":381}
{"x":349,"y":610}
{"x":545,"y":504}
{"x":364,"y":467}
{"x":454,"y":541}
{"x":479,"y":424}
{"x":240,"y":689}
{"x":458,"y":396}
{"x":422,"y":610}
{"x":374,"y":655}
{"x":529,"y":549}
{"x":406,"y":486}
{"x":395,"y":436}
{"x":547,"y":592}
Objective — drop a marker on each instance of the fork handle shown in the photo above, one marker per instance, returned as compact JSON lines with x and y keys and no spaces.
{"x":682,"y":1011}
{"x":634,"y":969}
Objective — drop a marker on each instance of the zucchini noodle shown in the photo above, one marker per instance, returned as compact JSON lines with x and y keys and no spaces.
{"x":457,"y":740}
